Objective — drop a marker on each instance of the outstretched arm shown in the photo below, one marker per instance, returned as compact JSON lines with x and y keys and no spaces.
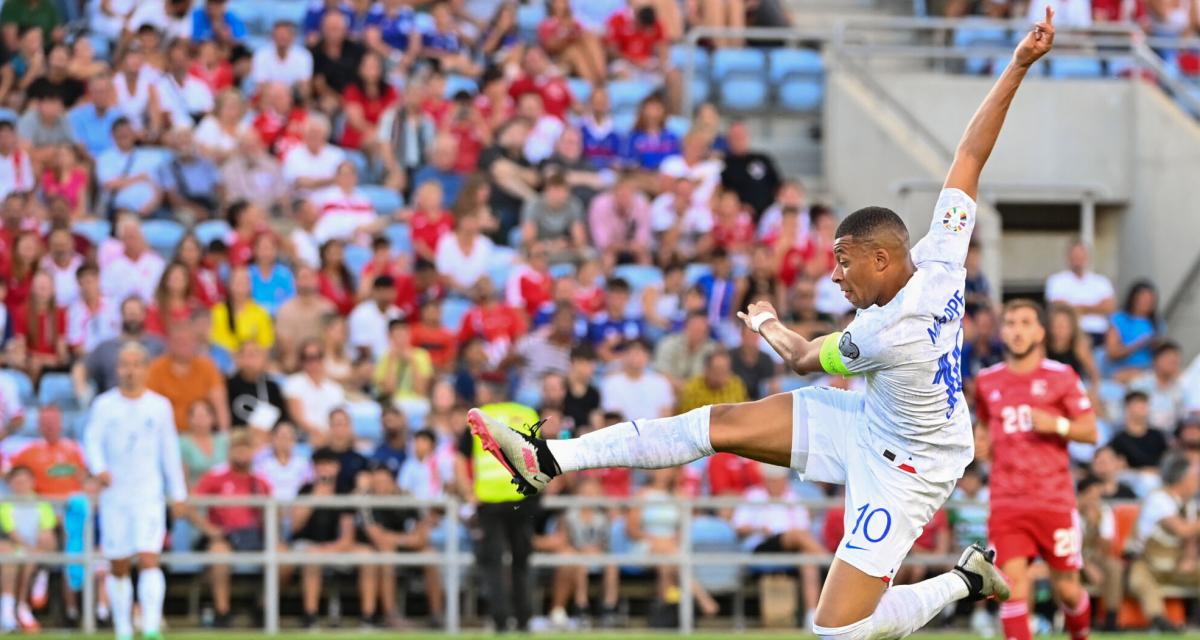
{"x":981,"y":134}
{"x":800,"y":355}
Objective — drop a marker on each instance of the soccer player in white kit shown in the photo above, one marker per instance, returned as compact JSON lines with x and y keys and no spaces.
{"x":132,"y":449}
{"x":899,"y":447}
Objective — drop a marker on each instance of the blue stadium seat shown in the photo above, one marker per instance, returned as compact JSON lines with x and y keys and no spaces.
{"x":453,"y":310}
{"x":96,"y":231}
{"x":982,"y":35}
{"x":562,"y":270}
{"x":694,"y":271}
{"x":356,"y":257}
{"x":529,"y":16}
{"x":456,"y":83}
{"x":57,"y":388}
{"x":679,"y":125}
{"x":499,"y":274}
{"x":580,"y":88}
{"x":701,"y":90}
{"x":385,"y":200}
{"x":626,"y":95}
{"x":359,"y":160}
{"x":30,"y":426}
{"x":285,"y":11}
{"x":619,"y":543}
{"x":711,"y":534}
{"x":210,"y":230}
{"x":1075,"y":68}
{"x":9,"y":115}
{"x":366,"y":419}
{"x":623,"y":121}
{"x":680,"y":54}
{"x":798,"y":76}
{"x":744,"y":93}
{"x":400,"y":237}
{"x":639,"y":276}
{"x":163,"y":236}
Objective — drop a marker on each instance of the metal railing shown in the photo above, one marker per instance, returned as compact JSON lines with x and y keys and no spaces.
{"x":452,"y":558}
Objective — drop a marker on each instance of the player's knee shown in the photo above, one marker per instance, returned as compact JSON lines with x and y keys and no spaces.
{"x":1068,"y":590}
{"x":148,"y":560}
{"x":862,"y":630}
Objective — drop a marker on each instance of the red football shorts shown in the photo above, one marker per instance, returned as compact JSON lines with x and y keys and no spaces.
{"x":1052,"y":536}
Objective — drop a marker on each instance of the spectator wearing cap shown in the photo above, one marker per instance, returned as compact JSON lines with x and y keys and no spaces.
{"x":752,"y":174}
{"x":231,"y":528}
{"x":441,"y":168}
{"x":16,"y":167}
{"x":1134,"y":331}
{"x":43,"y":126}
{"x":312,"y":394}
{"x":312,"y":165}
{"x":368,"y":323}
{"x":539,"y":76}
{"x":125,"y":174}
{"x":634,"y":390}
{"x":214,"y":21}
{"x":182,"y":98}
{"x":1090,"y":293}
{"x":92,"y":120}
{"x":1163,"y":387}
{"x":346,"y":213}
{"x":1167,"y":525}
{"x":682,"y":357}
{"x":283,"y":60}
{"x":335,"y":62}
{"x":619,"y":221}
{"x":463,"y":257}
{"x":190,"y":182}
{"x":320,"y":530}
{"x":555,"y":219}
{"x":1141,"y":446}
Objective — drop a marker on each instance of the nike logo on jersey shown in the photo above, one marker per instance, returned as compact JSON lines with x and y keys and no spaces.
{"x":850,"y":545}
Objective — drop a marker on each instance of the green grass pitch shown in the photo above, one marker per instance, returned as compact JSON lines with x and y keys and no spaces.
{"x":631,"y":635}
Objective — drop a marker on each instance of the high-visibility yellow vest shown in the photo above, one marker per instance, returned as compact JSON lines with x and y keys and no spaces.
{"x":493,"y":483}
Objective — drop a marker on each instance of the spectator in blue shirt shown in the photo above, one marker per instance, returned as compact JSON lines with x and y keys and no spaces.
{"x":214,"y":22}
{"x":718,"y":286}
{"x":650,"y":142}
{"x":190,"y":182}
{"x":92,"y":121}
{"x":442,"y":155}
{"x":393,"y":448}
{"x":601,"y":141}
{"x":392,"y":32}
{"x":271,"y":282}
{"x":613,"y":325}
{"x":125,"y":174}
{"x":316,"y":13}
{"x":1133,"y":331}
{"x":442,"y":42}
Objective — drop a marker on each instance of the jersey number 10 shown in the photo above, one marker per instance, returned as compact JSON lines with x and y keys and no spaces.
{"x":1017,"y":419}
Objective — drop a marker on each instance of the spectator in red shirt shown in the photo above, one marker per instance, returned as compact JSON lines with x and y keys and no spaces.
{"x":493,"y":103}
{"x":570,"y":45}
{"x":247,"y":220}
{"x":334,"y":281}
{"x":229,"y":529}
{"x":498,"y":324}
{"x":729,"y":474}
{"x":206,"y":282}
{"x":428,"y":221}
{"x":40,"y":329}
{"x":382,"y":263}
{"x":24,"y":257}
{"x":363,"y":101}
{"x":212,"y":68}
{"x":530,"y":285}
{"x":733,"y":228}
{"x":173,"y":301}
{"x":429,"y":334}
{"x":637,"y":42}
{"x":469,"y":131}
{"x":279,"y":122}
{"x":540,"y":77}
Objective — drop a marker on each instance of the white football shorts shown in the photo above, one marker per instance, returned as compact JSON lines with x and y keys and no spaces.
{"x":128,"y":528}
{"x":887,"y":503}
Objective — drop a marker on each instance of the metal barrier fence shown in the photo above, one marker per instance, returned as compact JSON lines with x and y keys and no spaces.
{"x":453,"y":557}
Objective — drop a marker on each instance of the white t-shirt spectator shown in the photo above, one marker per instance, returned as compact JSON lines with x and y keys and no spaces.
{"x":87,"y":328}
{"x":302,"y":163}
{"x":648,"y":396}
{"x":10,"y":399}
{"x":308,"y":250}
{"x":697,"y":220}
{"x":1068,"y":14}
{"x":181,"y":99}
{"x":16,"y":173}
{"x":133,"y":99}
{"x":124,"y":277}
{"x":342,"y":214}
{"x":285,"y":478}
{"x":769,"y":519}
{"x":542,"y":138}
{"x":463,"y":269}
{"x":210,"y":134}
{"x":707,"y":173}
{"x":1158,"y":506}
{"x":293,"y":68}
{"x":1089,"y":289}
{"x":368,"y":327}
{"x":317,"y":400}
{"x":154,"y":13}
{"x":66,"y":286}
{"x":1167,"y":405}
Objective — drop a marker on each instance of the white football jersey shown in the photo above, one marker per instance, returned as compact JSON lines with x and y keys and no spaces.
{"x":910,"y":351}
{"x":134,"y":439}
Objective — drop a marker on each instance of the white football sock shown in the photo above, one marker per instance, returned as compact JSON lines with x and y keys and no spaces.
{"x":902,"y":611}
{"x":640,"y":444}
{"x":8,"y":611}
{"x":152,"y":588}
{"x":120,"y":599}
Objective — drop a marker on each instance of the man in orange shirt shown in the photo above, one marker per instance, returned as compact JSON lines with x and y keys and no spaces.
{"x":57,"y":463}
{"x":183,"y":376}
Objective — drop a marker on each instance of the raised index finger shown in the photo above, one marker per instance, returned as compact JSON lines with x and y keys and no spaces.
{"x":1049,"y":15}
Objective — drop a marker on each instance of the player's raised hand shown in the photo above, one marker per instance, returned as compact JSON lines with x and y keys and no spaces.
{"x":756,"y":309}
{"x":1037,"y":42}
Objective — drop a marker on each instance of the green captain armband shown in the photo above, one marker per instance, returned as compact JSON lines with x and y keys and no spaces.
{"x":831,"y":356}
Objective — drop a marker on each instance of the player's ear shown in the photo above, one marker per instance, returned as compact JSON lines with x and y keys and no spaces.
{"x":881,"y":258}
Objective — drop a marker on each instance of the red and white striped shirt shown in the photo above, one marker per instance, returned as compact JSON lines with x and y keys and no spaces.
{"x":342,"y":214}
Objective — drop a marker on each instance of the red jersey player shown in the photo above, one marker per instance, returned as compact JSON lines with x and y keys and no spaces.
{"x":1032,"y":407}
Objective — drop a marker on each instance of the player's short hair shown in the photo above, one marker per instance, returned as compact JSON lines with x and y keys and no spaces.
{"x":1174,"y":468}
{"x":1025,"y":303}
{"x":869,"y":222}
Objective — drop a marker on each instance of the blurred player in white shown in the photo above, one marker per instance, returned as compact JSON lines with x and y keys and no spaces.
{"x":898,"y":447}
{"x":133,"y":450}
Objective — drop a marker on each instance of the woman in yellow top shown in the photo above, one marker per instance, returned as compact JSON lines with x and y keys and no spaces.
{"x":404,"y":372}
{"x":248,"y":321}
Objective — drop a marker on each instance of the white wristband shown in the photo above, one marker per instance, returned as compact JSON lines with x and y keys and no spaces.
{"x":1062,"y":426}
{"x":757,"y":320}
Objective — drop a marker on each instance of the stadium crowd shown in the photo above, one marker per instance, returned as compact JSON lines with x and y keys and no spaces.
{"x":336,"y":235}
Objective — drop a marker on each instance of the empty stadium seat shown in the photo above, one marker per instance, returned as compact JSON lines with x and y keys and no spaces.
{"x":529,"y":16}
{"x":356,"y":257}
{"x":210,"y":230}
{"x":580,"y":88}
{"x":798,"y":77}
{"x":733,"y":62}
{"x":57,"y":388}
{"x":982,"y":35}
{"x":639,"y":276}
{"x":29,"y":427}
{"x":366,"y":419}
{"x":694,"y":271}
{"x":400,"y":237}
{"x":699,"y":59}
{"x":499,"y":274}
{"x":701,"y":89}
{"x":623,"y":121}
{"x":386,"y":201}
{"x":626,"y":95}
{"x":1076,"y":68}
{"x":359,"y":160}
{"x":562,"y":270}
{"x":678,"y":125}
{"x":96,"y":231}
{"x":453,"y":310}
{"x":9,"y":115}
{"x":456,"y":83}
{"x":163,"y":236}
{"x":744,"y":93}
